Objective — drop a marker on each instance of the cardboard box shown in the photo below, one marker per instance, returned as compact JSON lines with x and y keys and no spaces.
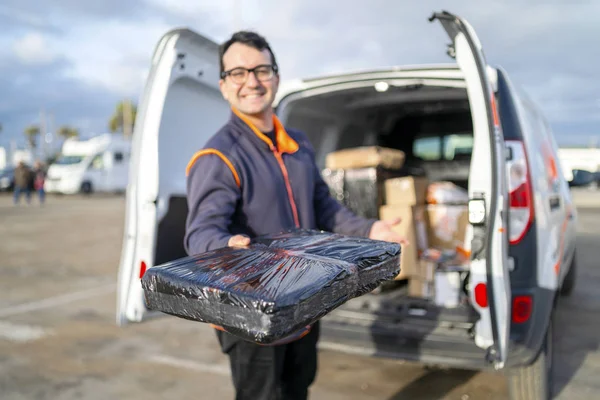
{"x":361,"y":190}
{"x":364,"y":157}
{"x":406,"y":191}
{"x":447,"y":226}
{"x":413,"y":228}
{"x":422,"y":283}
{"x":446,"y":193}
{"x":426,"y":270}
{"x":421,"y":288}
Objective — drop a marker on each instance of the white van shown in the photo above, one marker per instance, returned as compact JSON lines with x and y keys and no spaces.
{"x":522,"y":221}
{"x":99,"y":164}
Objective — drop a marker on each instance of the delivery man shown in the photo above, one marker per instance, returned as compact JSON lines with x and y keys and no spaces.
{"x":256,"y":177}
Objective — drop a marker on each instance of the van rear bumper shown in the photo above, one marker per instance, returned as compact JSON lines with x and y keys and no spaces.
{"x":435,"y":344}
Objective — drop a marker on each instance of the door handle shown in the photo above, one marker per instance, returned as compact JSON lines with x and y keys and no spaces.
{"x":554,"y":203}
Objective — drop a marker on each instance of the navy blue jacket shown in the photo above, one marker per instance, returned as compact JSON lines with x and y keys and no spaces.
{"x":242,"y":183}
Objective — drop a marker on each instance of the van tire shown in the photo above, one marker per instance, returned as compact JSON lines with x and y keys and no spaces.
{"x":569,"y":282}
{"x":87,"y":188}
{"x":534,"y":382}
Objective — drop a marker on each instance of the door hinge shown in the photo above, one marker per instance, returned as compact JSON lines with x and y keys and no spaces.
{"x":493,"y":357}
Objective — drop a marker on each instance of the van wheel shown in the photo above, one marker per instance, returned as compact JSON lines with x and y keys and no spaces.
{"x":534,"y":381}
{"x":569,"y":283}
{"x":86,"y":188}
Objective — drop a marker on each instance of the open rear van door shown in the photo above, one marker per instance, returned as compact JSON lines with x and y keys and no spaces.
{"x":488,"y":194}
{"x":180,"y":109}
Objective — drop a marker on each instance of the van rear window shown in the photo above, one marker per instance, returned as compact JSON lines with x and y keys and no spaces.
{"x":428,"y":148}
{"x":449,"y":147}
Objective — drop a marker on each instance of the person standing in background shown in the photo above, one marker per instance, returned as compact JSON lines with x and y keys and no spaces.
{"x":39,"y":177}
{"x":23,"y":176}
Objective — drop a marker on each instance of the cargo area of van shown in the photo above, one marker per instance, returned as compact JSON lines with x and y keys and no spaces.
{"x":389,"y":144}
{"x":400,"y":152}
{"x":453,"y":150}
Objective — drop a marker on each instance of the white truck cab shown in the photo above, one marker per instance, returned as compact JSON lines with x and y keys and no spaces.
{"x":521,"y":232}
{"x":99,"y":164}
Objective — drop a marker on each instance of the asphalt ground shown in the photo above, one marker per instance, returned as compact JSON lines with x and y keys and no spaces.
{"x":59,"y":339}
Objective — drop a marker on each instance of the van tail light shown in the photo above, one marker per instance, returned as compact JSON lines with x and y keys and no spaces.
{"x":481,"y":297}
{"x":521,"y":310}
{"x":520,"y":191}
{"x":142,"y":269}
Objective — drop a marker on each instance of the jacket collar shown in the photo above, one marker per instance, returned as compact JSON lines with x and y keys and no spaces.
{"x":285,"y":144}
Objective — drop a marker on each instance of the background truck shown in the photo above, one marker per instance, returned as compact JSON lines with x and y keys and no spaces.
{"x":99,"y":164}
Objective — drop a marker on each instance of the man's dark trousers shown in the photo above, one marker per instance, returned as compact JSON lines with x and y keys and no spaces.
{"x":282,"y":372}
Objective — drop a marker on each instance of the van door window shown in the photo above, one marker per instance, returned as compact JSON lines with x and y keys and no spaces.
{"x":97,"y":162}
{"x":68,"y":160}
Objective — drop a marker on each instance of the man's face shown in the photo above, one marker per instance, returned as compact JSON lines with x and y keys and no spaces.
{"x":255,"y":95}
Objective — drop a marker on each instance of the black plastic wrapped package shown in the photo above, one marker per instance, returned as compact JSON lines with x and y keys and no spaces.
{"x":375,"y":260}
{"x":362,"y":190}
{"x":275,"y":287}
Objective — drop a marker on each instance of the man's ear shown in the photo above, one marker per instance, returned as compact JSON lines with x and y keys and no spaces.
{"x":222,"y":88}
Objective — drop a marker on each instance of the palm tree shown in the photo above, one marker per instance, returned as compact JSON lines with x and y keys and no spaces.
{"x":123,"y":118}
{"x":68,"y":132}
{"x":31,"y":132}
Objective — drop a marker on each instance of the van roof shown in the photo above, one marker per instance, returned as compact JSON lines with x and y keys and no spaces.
{"x":449,"y":71}
{"x":387,"y":69}
{"x":442,"y":71}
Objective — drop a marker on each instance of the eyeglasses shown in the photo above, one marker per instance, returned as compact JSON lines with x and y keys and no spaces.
{"x":240,"y":75}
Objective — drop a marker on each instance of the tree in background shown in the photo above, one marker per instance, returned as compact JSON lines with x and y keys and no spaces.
{"x":68,"y":132}
{"x":32,"y":132}
{"x":123,"y":118}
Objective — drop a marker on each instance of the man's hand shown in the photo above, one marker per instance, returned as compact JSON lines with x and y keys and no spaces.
{"x":382,"y":230}
{"x":238,"y":241}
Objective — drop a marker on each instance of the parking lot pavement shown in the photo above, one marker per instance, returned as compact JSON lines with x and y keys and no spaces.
{"x":59,"y":340}
{"x":586,"y":197}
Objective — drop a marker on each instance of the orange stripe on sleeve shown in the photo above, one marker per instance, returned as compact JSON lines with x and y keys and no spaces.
{"x":201,"y":153}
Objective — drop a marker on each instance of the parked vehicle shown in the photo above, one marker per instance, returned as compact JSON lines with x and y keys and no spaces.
{"x":582,"y":178}
{"x":522,"y":245}
{"x":7,"y":179}
{"x":580,"y":158}
{"x":99,"y":164}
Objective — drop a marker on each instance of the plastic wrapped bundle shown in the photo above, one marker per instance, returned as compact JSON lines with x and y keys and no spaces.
{"x":362,"y":190}
{"x":446,"y":193}
{"x":273,"y":288}
{"x":376,"y":261}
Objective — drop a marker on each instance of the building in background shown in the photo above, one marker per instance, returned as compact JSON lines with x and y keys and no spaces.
{"x":582,"y":158}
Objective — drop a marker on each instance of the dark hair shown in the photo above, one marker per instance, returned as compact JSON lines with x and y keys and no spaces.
{"x":248,"y":38}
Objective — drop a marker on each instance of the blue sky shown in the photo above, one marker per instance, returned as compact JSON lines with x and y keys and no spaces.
{"x":76,"y":59}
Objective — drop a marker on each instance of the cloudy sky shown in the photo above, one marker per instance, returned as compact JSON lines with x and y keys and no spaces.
{"x":76,"y":59}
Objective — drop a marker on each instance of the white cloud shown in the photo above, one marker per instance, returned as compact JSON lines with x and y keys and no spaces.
{"x":548,"y":47}
{"x":33,"y":48}
{"x":115,"y":55}
{"x":183,"y":8}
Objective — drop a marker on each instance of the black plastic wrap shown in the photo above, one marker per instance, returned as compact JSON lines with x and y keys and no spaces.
{"x":376,"y":260}
{"x":362,"y":190}
{"x":273,"y":288}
